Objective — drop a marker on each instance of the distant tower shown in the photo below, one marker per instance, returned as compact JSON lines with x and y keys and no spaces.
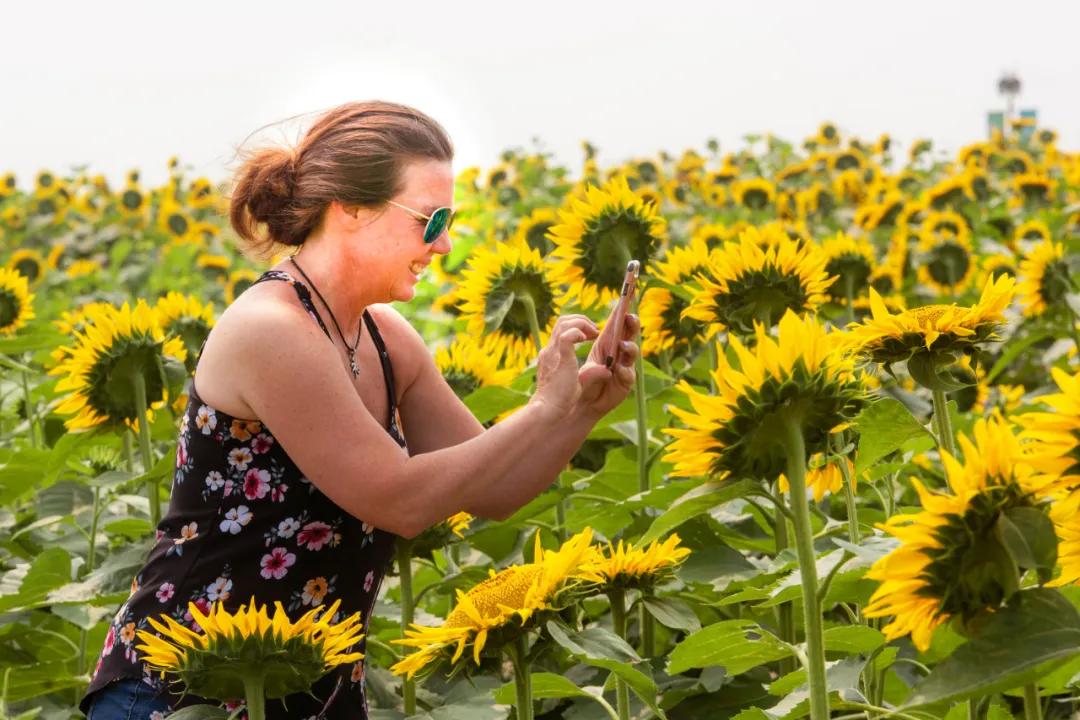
{"x":1009,"y":86}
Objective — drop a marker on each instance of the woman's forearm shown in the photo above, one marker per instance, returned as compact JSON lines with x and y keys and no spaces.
{"x":493,"y":473}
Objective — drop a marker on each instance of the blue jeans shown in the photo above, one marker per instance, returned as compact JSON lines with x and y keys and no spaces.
{"x":127,"y":700}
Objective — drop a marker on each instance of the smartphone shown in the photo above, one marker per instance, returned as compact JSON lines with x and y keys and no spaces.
{"x":618,"y":316}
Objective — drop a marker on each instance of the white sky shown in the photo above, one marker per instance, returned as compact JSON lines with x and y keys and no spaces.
{"x":126,"y":84}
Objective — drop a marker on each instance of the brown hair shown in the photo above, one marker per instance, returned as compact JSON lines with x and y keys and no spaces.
{"x":355,"y":153}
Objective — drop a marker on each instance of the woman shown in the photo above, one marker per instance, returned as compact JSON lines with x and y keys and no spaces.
{"x":293,"y":476}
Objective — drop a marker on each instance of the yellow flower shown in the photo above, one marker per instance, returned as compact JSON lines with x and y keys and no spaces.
{"x":754,"y":193}
{"x":496,"y":611}
{"x":29,"y":263}
{"x":1045,"y":279}
{"x":231,"y":647}
{"x":851,"y":262}
{"x":598,"y":235}
{"x":188,"y":318}
{"x":1056,"y":435}
{"x":946,"y":329}
{"x":1032,"y":230}
{"x":948,"y":262}
{"x":239,"y":281}
{"x":132,"y":202}
{"x":214,"y":267}
{"x":950,"y":562}
{"x":626,"y":566}
{"x":823,"y":477}
{"x":663,"y":326}
{"x":757,"y":280}
{"x":99,"y":369}
{"x":738,"y":430}
{"x":533,"y":230}
{"x":495,"y":294}
{"x":1065,"y":514}
{"x":82,"y":268}
{"x":467,"y":366}
{"x":16,"y":302}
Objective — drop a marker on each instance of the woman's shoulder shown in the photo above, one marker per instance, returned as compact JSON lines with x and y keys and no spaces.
{"x":403,"y":343}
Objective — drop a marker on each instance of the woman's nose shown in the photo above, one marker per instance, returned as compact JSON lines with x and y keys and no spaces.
{"x":442,"y":244}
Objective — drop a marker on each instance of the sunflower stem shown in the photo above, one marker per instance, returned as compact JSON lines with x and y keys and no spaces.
{"x":534,"y":322}
{"x":144,"y":449}
{"x":404,"y":562}
{"x":795,"y":448}
{"x":849,"y":497}
{"x":129,"y":452}
{"x":522,"y":677}
{"x":1032,"y":706}
{"x":785,"y":611}
{"x":944,"y":424}
{"x":31,"y":418}
{"x":648,"y":636}
{"x":255,"y":696}
{"x":973,"y":709}
{"x":617,"y":597}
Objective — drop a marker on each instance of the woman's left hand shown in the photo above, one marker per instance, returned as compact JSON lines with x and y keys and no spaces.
{"x":602,"y":389}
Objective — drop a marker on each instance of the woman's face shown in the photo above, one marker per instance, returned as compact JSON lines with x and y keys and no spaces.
{"x":392,"y":253}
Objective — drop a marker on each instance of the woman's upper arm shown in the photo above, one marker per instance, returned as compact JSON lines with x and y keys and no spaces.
{"x":298,"y":389}
{"x":432,"y":414}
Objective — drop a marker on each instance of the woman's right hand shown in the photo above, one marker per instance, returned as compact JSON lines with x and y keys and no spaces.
{"x":557,"y":384}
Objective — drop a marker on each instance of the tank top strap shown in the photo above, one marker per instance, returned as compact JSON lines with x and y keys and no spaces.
{"x":388,"y":371}
{"x":301,"y":291}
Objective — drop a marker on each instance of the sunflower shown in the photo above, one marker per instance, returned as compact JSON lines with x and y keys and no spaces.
{"x":948,"y":223}
{"x":748,"y":283}
{"x":28,"y":263}
{"x":625,"y":566}
{"x":82,"y":268}
{"x":467,"y":366}
{"x":100,"y":368}
{"x":1045,"y":279}
{"x":996,"y":265}
{"x":712,"y":234}
{"x":918,"y":148}
{"x":498,"y":610}
{"x":495,"y":296}
{"x":663,"y":325}
{"x":1033,"y":190}
{"x":754,"y":193}
{"x":175,"y":220}
{"x":827,"y":134}
{"x":739,"y":429}
{"x":533,"y":230}
{"x":936,"y":334}
{"x":598,"y":235}
{"x":948,"y":262}
{"x":132,"y":202}
{"x":239,"y":281}
{"x":948,"y":192}
{"x":1055,"y":450}
{"x":823,"y":477}
{"x":951,"y":562}
{"x":1031,"y":230}
{"x":16,"y":302}
{"x":851,"y":262}
{"x":201,"y":195}
{"x":8,"y":185}
{"x":187,"y":318}
{"x":850,"y":159}
{"x":233,"y":649}
{"x":214,"y":267}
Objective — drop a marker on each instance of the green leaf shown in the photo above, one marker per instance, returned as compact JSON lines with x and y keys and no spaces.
{"x":133,"y":528}
{"x":1038,"y":630}
{"x":737,"y":645}
{"x":496,"y":310}
{"x":487,"y":402}
{"x":1028,"y":535}
{"x":544,"y":685}
{"x":31,"y":681}
{"x":699,"y":500}
{"x":851,"y":639}
{"x":673,"y":613}
{"x":593,"y":643}
{"x":884,"y":427}
{"x":925,"y":369}
{"x":1012,"y":351}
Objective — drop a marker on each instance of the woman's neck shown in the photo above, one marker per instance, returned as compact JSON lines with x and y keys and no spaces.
{"x":334,"y":281}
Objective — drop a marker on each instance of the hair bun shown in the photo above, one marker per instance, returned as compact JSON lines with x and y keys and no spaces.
{"x":263,"y":195}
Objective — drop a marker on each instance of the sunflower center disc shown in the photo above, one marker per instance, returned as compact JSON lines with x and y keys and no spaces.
{"x":948,"y":263}
{"x":9,"y":308}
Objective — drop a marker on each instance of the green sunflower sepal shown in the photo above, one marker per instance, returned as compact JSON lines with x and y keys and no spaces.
{"x":940,"y":371}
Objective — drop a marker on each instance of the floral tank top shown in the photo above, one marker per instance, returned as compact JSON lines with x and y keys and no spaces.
{"x":243,"y":521}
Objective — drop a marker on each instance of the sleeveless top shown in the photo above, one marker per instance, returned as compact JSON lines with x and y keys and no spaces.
{"x":243,"y":521}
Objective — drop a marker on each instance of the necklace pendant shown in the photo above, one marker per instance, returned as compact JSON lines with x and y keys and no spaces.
{"x":352,"y":364}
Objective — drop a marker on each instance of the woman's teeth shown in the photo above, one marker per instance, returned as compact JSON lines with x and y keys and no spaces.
{"x":416,"y":268}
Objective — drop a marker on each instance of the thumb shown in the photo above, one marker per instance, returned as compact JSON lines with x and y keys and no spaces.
{"x":592,"y":374}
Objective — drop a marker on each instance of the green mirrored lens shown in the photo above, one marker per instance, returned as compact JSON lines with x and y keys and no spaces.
{"x":440,"y":220}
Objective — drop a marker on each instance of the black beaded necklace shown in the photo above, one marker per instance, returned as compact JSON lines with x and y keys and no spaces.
{"x":350,"y":350}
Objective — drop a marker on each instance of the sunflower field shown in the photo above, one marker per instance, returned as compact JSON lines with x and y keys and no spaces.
{"x":846,"y":484}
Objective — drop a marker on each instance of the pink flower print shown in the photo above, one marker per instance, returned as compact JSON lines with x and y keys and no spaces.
{"x":214,"y":481}
{"x":204,"y":607}
{"x":97,"y":668}
{"x":110,"y":640}
{"x":262,"y":444}
{"x":256,"y":484}
{"x":240,"y":457}
{"x":165,"y":592}
{"x":287,"y":528}
{"x":158,"y":534}
{"x":369,"y":580}
{"x":277,"y":563}
{"x":219,"y":590}
{"x":229,"y":485}
{"x":235,"y":519}
{"x":314,"y":535}
{"x":367,"y":527}
{"x":277,"y":494}
{"x":206,"y":420}
{"x":181,"y":453}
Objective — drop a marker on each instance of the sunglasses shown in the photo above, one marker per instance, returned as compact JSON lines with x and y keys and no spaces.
{"x":439,"y":221}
